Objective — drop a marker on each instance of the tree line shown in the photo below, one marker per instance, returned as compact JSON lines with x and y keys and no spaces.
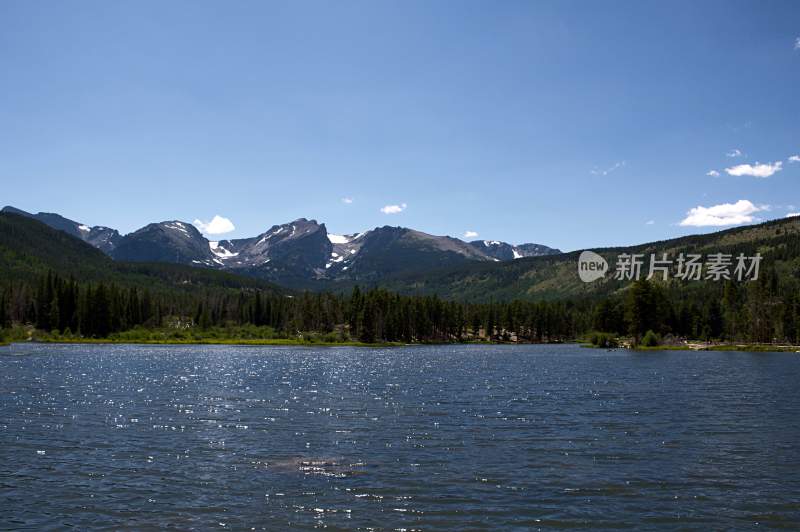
{"x":97,"y":310}
{"x":766,"y":310}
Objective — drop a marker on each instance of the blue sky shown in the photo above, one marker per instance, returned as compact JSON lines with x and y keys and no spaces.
{"x":571,"y":124}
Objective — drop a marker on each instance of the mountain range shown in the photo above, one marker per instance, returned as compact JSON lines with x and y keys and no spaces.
{"x":298,"y":254}
{"x":174,"y":257}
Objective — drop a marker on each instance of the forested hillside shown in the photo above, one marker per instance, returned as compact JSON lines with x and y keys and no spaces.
{"x":555,"y":276}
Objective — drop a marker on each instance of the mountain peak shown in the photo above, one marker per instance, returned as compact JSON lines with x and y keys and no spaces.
{"x":182,"y":227}
{"x":168,"y":241}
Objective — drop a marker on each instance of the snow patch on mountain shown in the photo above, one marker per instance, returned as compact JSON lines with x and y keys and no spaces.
{"x":270,"y":234}
{"x":178,"y":226}
{"x":339,"y":239}
{"x":220,"y":251}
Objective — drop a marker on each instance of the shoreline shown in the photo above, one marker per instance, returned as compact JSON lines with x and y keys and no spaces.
{"x":255,"y":342}
{"x":279,"y":342}
{"x":751,"y":348}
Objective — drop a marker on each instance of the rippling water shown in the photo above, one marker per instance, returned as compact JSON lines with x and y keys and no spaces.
{"x":417,"y":438}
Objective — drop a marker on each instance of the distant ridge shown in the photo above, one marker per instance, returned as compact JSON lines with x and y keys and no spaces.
{"x":551,"y":277}
{"x":103,"y":238}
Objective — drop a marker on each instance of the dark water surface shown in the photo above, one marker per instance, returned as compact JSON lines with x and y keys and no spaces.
{"x":418,"y":438}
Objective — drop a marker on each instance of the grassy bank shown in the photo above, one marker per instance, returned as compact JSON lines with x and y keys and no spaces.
{"x":216,"y":341}
{"x":757,"y":348}
{"x":229,"y":335}
{"x":266,"y":336}
{"x":244,"y":335}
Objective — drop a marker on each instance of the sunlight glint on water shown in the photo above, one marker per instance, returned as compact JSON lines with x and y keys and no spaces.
{"x":431,"y":438}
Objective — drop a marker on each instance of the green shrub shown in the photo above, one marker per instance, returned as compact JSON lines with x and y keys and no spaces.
{"x":331,"y":337}
{"x":604,"y":340}
{"x":650,"y":339}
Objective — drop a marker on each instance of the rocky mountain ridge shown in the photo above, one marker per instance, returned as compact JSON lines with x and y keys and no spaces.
{"x":298,"y":253}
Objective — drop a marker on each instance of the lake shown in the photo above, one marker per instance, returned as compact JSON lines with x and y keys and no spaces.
{"x":416,"y":438}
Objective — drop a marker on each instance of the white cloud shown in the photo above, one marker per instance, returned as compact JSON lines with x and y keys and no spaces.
{"x":650,"y":222}
{"x":737,"y":213}
{"x":793,"y":214}
{"x":615,"y":166}
{"x":470,"y":234}
{"x":217,"y":226}
{"x":393,"y":209}
{"x":736,"y":152}
{"x":756,"y":170}
{"x":713,"y":173}
{"x":347,"y":200}
{"x":794,"y":159}
{"x":797,"y":44}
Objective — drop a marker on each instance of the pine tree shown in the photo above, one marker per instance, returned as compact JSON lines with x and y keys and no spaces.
{"x":54,"y":318}
{"x":101,"y":312}
{"x":640,"y":309}
{"x":5,"y":320}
